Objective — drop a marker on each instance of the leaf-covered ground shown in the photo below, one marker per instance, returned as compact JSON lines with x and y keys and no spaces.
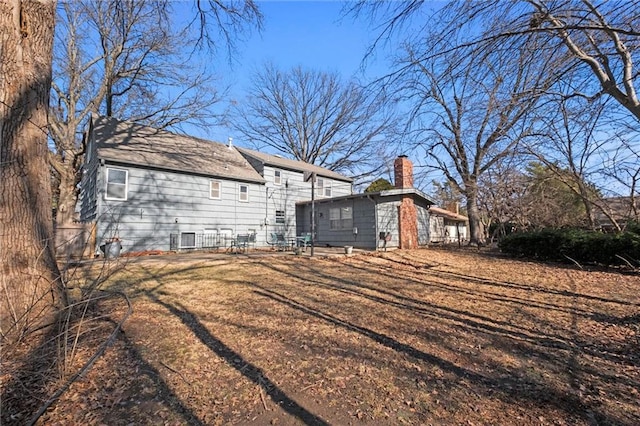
{"x":404,"y":337}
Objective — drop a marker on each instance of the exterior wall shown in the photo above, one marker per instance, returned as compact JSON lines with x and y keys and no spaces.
{"x":160,"y":203}
{"x":89,"y":194}
{"x":284,"y":196}
{"x":388,"y":221}
{"x":363,"y":213}
{"x":423,"y":225}
{"x":447,"y":231}
{"x":371,"y":216}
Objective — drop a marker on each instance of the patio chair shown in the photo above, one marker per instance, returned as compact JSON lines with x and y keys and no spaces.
{"x":304,"y":241}
{"x":242,"y":242}
{"x":278,"y":241}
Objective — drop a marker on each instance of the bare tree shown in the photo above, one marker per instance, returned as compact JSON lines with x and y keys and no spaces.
{"x":119,"y":58}
{"x":569,"y":145}
{"x":315,"y":117}
{"x":471,"y":112}
{"x":502,"y":198}
{"x":31,"y":289}
{"x":600,"y":40}
{"x":588,"y":49}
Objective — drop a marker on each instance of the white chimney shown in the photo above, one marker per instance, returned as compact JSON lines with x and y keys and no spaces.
{"x":230,"y":142}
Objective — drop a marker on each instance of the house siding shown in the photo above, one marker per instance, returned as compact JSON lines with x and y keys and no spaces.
{"x":371,"y":216}
{"x":160,"y":203}
{"x":89,"y":189}
{"x":284,"y":196}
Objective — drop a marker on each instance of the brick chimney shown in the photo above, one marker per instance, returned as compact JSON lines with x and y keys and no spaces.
{"x":407,"y":214}
{"x":403,"y":172}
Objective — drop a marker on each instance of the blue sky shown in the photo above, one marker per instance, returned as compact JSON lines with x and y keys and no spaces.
{"x":312,"y":34}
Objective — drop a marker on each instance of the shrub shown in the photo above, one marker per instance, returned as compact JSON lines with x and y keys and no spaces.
{"x":579,"y":245}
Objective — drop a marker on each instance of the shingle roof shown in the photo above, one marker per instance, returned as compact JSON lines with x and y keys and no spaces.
{"x":140,"y":145}
{"x":286,"y":163}
{"x":437,"y":211}
{"x":388,"y":193}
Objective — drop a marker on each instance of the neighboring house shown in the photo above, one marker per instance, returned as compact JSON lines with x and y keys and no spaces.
{"x":447,"y":226}
{"x":288,"y":182}
{"x":394,"y":218}
{"x":155,"y":190}
{"x":622,"y":209}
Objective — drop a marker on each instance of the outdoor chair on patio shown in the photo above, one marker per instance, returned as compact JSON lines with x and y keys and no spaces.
{"x":304,"y":241}
{"x":242,"y":242}
{"x":278,"y":241}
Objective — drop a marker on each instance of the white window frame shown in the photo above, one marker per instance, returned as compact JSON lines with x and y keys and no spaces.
{"x":107,"y":183}
{"x":277,"y":177}
{"x":340,"y":218}
{"x":282,"y":217}
{"x":211,"y":183}
{"x":319,"y":186}
{"x":240,"y":196}
{"x":327,"y":189}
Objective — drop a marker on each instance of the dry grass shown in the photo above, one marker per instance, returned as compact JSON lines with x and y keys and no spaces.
{"x":404,"y":337}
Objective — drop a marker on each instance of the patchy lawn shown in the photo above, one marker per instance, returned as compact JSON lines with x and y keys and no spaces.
{"x":403,"y":337}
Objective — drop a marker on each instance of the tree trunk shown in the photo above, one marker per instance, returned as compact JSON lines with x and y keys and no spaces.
{"x":67,"y":196}
{"x":476,"y":231}
{"x":30,"y":286}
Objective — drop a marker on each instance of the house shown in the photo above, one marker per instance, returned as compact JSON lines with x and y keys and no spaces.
{"x":622,"y":210}
{"x":447,"y":225}
{"x":156,"y":190}
{"x":397,"y":217}
{"x":288,"y":182}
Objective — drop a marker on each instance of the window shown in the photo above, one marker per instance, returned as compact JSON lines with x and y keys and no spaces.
{"x":214,"y":189}
{"x":319,"y":186}
{"x":323,"y":187}
{"x":243,"y":194}
{"x":340,"y":218}
{"x":188,"y":240}
{"x":280,"y":217}
{"x":277,"y":177}
{"x":117,"y":184}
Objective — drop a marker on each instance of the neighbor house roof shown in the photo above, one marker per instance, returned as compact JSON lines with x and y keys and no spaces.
{"x":286,"y":163}
{"x":136,"y":144}
{"x":437,"y":211}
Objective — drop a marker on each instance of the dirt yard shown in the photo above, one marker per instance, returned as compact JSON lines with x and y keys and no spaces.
{"x":404,"y":337}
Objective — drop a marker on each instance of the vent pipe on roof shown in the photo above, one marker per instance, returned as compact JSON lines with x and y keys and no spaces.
{"x":230,"y":142}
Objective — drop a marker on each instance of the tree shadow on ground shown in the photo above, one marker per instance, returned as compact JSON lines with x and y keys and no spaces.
{"x":513,"y":385}
{"x":235,"y":360}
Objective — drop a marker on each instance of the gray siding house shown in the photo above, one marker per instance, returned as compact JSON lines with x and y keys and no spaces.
{"x":288,"y":182}
{"x":448,"y":226}
{"x":155,"y":190}
{"x":396,"y":218}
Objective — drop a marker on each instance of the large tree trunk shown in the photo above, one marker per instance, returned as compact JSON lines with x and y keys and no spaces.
{"x":476,"y":230}
{"x":30,"y":288}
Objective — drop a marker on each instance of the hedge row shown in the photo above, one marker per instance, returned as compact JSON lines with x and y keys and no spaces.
{"x":579,"y":245}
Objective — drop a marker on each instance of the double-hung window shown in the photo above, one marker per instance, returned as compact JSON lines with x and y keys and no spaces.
{"x":277,"y":177}
{"x":243,"y":193}
{"x":323,"y":187}
{"x":340,"y":218}
{"x":117,"y":180}
{"x":214,"y":189}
